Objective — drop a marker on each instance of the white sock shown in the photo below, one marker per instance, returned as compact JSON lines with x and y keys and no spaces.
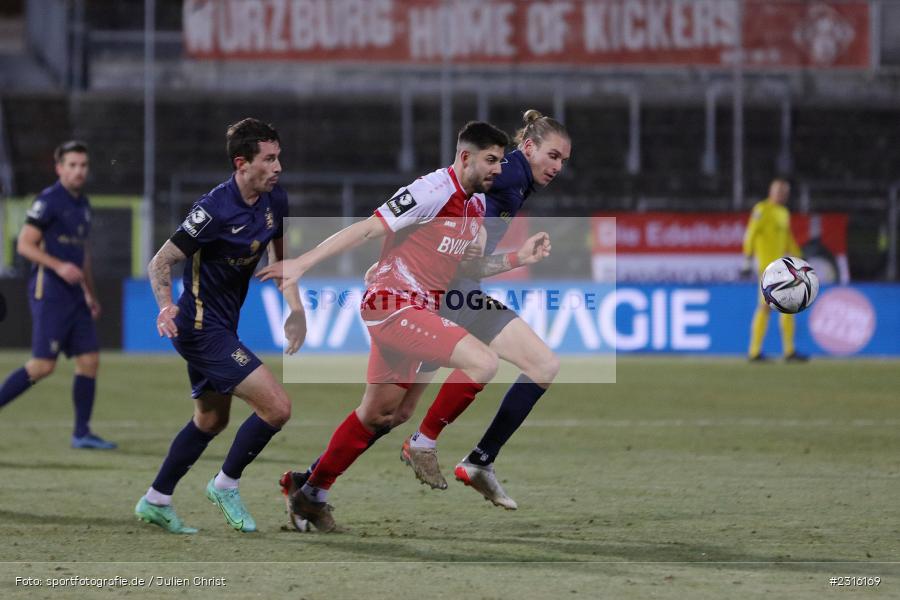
{"x":420,"y":440}
{"x":316,"y":494}
{"x":157,"y":498}
{"x":224,"y":482}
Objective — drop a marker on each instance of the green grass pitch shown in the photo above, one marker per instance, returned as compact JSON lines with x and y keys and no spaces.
{"x":688,"y":478}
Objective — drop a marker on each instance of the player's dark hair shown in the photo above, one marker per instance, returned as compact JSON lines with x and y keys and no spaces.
{"x":537,"y":127}
{"x":71,"y":146}
{"x":243,"y":138}
{"x":482,"y":135}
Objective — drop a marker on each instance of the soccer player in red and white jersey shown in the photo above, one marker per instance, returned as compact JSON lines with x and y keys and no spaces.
{"x":428,"y":226}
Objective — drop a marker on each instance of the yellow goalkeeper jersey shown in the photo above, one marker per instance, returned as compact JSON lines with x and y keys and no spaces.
{"x":769,"y":234}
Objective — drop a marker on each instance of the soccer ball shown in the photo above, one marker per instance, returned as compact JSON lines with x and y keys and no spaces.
{"x":789,"y":284}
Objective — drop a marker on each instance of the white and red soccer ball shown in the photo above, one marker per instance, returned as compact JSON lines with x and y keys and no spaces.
{"x":789,"y":284}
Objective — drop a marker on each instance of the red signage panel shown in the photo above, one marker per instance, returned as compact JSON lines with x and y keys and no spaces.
{"x":786,"y":33}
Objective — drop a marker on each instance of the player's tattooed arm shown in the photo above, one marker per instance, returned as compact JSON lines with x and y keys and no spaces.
{"x":485,"y":266}
{"x":476,"y":266}
{"x":160,"y":272}
{"x":534,"y":250}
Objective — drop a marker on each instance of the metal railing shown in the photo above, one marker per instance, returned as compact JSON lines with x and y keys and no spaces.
{"x":66,"y":42}
{"x":858,"y":197}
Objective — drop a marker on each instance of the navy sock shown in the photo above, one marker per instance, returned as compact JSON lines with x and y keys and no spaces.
{"x":379,"y":433}
{"x":83,"y":390}
{"x":520,"y":398}
{"x":186,"y":448}
{"x":249,"y":441}
{"x":15,"y":384}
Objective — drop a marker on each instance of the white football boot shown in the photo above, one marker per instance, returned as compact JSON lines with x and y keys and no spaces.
{"x":484,"y":481}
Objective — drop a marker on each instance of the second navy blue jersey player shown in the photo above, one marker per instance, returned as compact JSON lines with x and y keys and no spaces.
{"x":61,"y":292}
{"x":543,"y":148}
{"x":222,"y":240}
{"x":483,"y":316}
{"x":62,"y":318}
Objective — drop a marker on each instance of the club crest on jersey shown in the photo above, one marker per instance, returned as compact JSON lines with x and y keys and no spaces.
{"x":401,"y":203}
{"x":37,"y":209}
{"x":196,"y":221}
{"x":473,"y":227}
{"x":240,"y":357}
{"x":270,"y":218}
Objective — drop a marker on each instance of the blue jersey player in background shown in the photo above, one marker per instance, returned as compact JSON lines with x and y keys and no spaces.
{"x":543,"y":148}
{"x":61,"y":291}
{"x":222,"y":239}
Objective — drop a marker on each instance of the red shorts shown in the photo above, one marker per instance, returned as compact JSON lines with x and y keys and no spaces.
{"x":406,"y":339}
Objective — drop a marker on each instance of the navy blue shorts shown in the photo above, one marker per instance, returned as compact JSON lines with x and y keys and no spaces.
{"x":60,"y":326}
{"x":216,"y":359}
{"x":476,"y":312}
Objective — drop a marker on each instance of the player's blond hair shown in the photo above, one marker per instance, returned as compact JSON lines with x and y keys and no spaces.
{"x":538,"y":127}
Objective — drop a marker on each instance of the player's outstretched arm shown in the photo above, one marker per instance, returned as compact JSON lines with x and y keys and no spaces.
{"x":289,"y":271}
{"x":160,"y":272}
{"x":534,"y":250}
{"x":29,"y":246}
{"x":295,"y":324}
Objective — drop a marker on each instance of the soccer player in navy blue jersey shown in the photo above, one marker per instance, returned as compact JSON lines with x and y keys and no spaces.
{"x":222,"y":239}
{"x":61,"y":293}
{"x":544,"y":146}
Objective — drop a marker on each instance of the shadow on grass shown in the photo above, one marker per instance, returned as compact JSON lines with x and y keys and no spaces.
{"x":568,"y":553}
{"x":29,"y":518}
{"x":57,"y":466}
{"x":158,"y":453}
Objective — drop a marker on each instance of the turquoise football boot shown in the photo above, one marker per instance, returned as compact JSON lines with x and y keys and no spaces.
{"x":164,"y":516}
{"x":234,"y":510}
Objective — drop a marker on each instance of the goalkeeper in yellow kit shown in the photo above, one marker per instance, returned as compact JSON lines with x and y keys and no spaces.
{"x":769,"y":237}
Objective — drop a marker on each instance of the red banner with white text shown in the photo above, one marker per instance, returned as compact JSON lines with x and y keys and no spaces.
{"x":704,"y":247}
{"x":776,"y":34}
